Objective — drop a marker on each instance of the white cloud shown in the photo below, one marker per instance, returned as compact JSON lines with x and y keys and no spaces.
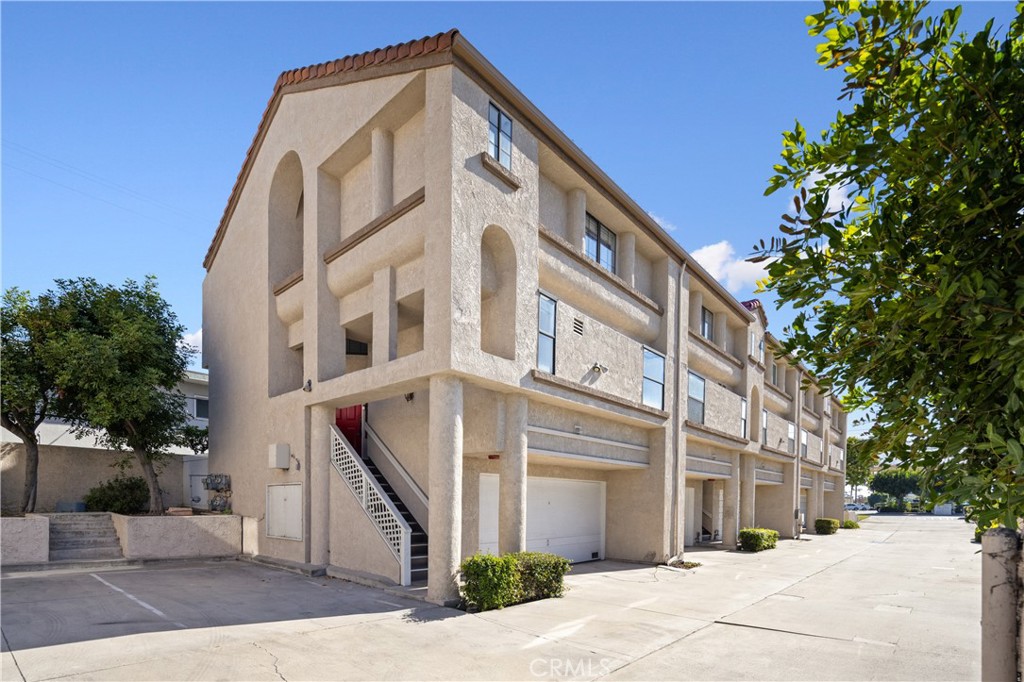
{"x":720,"y":261}
{"x":838,"y":196}
{"x":194,"y":339}
{"x":665,"y":224}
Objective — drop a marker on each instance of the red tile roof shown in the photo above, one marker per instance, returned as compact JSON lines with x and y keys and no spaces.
{"x":442,"y":42}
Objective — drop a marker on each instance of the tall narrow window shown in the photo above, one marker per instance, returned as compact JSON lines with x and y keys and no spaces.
{"x":764,"y":427}
{"x":743,"y":417}
{"x":792,"y":438}
{"x":654,"y":379}
{"x":600,"y":244}
{"x":546,"y":334}
{"x":760,"y":351}
{"x":775,"y":374}
{"x":695,"y":403}
{"x":707,"y":324}
{"x":500,"y":137}
{"x":803,"y":443}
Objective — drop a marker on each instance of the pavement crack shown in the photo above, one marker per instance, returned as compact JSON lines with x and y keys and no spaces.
{"x":783,"y":631}
{"x":277,"y":671}
{"x":7,"y":645}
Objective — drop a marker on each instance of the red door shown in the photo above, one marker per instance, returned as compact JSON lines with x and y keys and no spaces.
{"x":350,"y":423}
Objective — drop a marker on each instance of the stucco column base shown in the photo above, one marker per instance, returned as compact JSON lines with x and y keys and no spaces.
{"x":813,"y":507}
{"x":512,"y":493}
{"x":319,"y":465}
{"x":1000,"y":601}
{"x":444,"y":455}
{"x":748,"y":489}
{"x":730,"y":507}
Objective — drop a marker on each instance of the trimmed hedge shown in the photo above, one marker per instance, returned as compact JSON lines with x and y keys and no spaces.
{"x":850,"y":524}
{"x":826,"y":526}
{"x":121,"y":495}
{"x":494,"y":582}
{"x":894,"y":507}
{"x":758,"y":539}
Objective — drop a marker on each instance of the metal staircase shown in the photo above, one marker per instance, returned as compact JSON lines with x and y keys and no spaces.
{"x":418,"y":539}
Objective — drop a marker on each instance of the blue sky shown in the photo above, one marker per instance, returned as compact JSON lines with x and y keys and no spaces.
{"x":124,"y":125}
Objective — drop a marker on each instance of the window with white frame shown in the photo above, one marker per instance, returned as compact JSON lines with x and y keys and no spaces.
{"x":546,"y":311}
{"x":600,"y":244}
{"x":707,"y":324}
{"x":500,"y":136}
{"x":803,"y":443}
{"x":695,"y":401}
{"x":743,"y":417}
{"x":791,"y":438}
{"x":760,"y":351}
{"x":764,"y":426}
{"x":654,"y":379}
{"x":775,"y":374}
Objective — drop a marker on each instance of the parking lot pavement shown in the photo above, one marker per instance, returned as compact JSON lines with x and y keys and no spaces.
{"x":898,"y":599}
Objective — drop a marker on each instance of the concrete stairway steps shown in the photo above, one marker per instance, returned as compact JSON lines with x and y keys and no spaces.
{"x":83,"y":536}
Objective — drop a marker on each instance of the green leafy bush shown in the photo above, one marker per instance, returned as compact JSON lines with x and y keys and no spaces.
{"x":894,"y":507}
{"x":121,"y":495}
{"x":850,"y":524}
{"x":826,"y":526}
{"x":541,"y":575}
{"x":490,"y":582}
{"x":493,"y":582}
{"x":757,"y":539}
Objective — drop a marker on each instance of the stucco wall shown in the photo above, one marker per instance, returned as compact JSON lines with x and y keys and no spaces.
{"x":178,"y":537}
{"x":66,"y":474}
{"x":721,"y":408}
{"x":25,"y":540}
{"x":778,"y":432}
{"x":355,"y":544}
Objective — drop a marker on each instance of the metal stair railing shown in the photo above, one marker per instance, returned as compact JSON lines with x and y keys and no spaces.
{"x":378,"y":506}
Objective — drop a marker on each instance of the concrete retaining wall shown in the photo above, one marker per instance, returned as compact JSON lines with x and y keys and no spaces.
{"x":178,"y":537}
{"x":25,"y":540}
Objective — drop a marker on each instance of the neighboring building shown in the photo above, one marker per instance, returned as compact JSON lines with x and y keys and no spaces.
{"x":69,"y":466}
{"x":416,"y":254}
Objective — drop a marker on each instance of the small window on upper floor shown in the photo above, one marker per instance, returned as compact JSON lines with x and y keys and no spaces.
{"x":760,"y":351}
{"x":546,"y":324}
{"x":695,"y":398}
{"x":764,"y":427}
{"x":202,"y":408}
{"x":707,"y":324}
{"x":654,"y":379}
{"x":775,"y":374}
{"x":500,"y":136}
{"x":600,"y":244}
{"x":743,"y":417}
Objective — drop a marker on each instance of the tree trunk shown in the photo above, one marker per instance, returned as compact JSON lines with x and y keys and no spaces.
{"x":28,"y":499}
{"x":156,"y":500}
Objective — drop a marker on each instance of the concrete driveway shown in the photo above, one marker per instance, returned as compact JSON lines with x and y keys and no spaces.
{"x":898,"y":599}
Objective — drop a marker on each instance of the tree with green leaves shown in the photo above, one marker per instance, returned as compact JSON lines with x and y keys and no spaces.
{"x":114,"y":358}
{"x":859,"y":461}
{"x":27,"y":384}
{"x":910,"y":294}
{"x":897,"y":483}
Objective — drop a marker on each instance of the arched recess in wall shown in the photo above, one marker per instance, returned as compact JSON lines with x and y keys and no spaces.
{"x":285,"y":209}
{"x":498,"y":274}
{"x":755,"y":414}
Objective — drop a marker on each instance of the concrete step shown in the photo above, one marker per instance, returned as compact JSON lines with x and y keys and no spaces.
{"x":83,"y":542}
{"x":80,"y":525}
{"x":86,"y":553}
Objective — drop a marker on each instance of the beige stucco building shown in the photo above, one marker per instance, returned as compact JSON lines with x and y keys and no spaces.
{"x":541,"y":365}
{"x":69,"y":465}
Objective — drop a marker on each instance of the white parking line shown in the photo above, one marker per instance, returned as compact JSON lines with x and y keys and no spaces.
{"x":139,"y":601}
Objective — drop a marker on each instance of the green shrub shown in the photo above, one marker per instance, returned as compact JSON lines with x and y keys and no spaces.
{"x":493,"y":582}
{"x":121,"y":495}
{"x":894,"y":507}
{"x":490,"y":582}
{"x":875,"y":499}
{"x":757,"y":539}
{"x":541,"y":575}
{"x":850,"y":524}
{"x":826,"y":526}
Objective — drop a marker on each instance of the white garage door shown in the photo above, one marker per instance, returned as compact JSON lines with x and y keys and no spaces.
{"x":563,"y":516}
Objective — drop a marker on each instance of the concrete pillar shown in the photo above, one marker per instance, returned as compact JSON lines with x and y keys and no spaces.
{"x":696,"y":305}
{"x":385,"y":317}
{"x":722,"y":331}
{"x":748,"y":487}
{"x":319,"y":465}
{"x":626,"y":258}
{"x":576,"y":217}
{"x":792,"y":485}
{"x":444,"y":462}
{"x":382,"y":152}
{"x":730,"y":510}
{"x":813,"y":501}
{"x":698,"y":510}
{"x":1000,"y":585}
{"x":512,"y":491}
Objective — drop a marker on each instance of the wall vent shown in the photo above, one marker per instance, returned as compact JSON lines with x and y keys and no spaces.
{"x":577,"y":325}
